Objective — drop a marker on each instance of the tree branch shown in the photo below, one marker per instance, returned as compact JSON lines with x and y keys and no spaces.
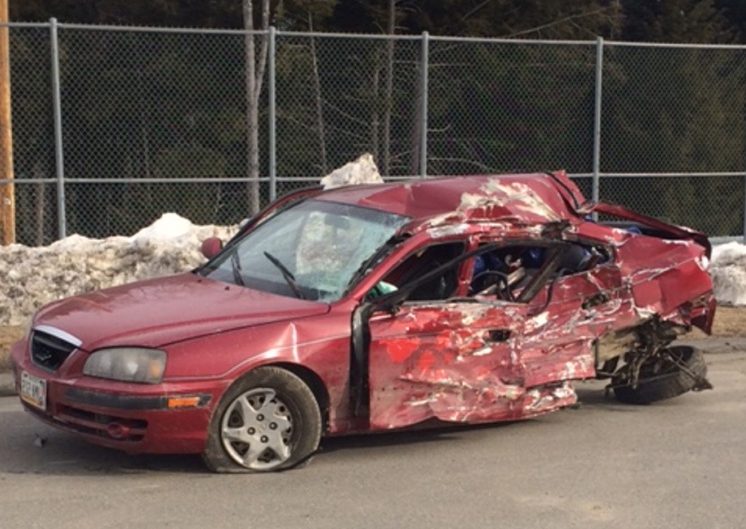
{"x":558,"y":22}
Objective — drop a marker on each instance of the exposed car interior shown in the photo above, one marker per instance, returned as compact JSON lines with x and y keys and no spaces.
{"x":440,"y":287}
{"x":502,"y":273}
{"x":508,"y":270}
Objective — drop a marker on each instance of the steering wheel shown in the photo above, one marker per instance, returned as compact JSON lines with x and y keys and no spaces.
{"x":500,"y":286}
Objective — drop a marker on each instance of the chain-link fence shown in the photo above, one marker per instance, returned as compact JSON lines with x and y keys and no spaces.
{"x":114,"y":125}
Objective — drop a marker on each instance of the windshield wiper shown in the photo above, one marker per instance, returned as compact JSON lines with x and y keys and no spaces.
{"x":374,"y":259}
{"x":286,"y":274}
{"x":236,"y":266}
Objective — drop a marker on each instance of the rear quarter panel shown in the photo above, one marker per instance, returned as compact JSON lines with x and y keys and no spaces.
{"x":664,"y":274}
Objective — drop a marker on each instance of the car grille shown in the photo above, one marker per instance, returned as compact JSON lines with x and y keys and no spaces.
{"x":49,"y":351}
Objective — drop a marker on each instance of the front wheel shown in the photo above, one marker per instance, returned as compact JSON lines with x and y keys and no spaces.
{"x":268,"y":420}
{"x":662,"y":377}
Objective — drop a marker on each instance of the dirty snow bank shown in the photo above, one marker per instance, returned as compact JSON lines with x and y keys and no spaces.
{"x":360,"y":171}
{"x":32,"y":277}
{"x":728,"y":271}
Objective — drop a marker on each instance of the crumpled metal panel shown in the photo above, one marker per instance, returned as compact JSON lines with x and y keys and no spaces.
{"x":442,"y":361}
{"x":491,"y":361}
{"x":526,"y":197}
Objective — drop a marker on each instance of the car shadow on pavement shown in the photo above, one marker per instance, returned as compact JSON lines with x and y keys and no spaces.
{"x":598,"y":399}
{"x":430,"y":432}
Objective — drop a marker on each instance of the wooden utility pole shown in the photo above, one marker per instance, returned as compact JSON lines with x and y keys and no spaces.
{"x":7,"y":191}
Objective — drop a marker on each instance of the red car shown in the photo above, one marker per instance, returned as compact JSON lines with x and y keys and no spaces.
{"x":368,"y":308}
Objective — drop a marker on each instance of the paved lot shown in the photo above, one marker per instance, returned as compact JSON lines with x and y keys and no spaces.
{"x":679,"y":464}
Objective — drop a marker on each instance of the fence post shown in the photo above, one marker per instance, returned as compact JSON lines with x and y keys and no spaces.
{"x":744,"y":209}
{"x":272,"y":35}
{"x":424,"y":102}
{"x":57,"y":110}
{"x":597,"y":122}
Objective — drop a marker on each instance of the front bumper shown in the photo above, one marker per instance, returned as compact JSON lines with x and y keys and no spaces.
{"x":136,"y":418}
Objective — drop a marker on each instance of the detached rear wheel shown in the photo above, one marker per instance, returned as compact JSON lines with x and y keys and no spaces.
{"x":268,"y":420}
{"x":663,"y":377}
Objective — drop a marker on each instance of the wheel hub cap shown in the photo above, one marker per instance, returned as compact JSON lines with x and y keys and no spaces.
{"x":256,"y":430}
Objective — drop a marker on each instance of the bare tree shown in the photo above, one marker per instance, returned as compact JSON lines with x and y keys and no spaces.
{"x":375,"y":142}
{"x":254,"y":74}
{"x":40,"y":203}
{"x":417,"y":122}
{"x":319,"y":100}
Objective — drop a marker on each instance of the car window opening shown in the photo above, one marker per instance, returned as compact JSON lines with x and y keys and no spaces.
{"x":505,"y":272}
{"x":440,"y":287}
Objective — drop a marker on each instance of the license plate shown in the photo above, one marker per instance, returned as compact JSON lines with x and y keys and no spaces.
{"x":34,"y":390}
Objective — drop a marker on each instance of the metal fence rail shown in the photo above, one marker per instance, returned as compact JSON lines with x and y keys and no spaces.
{"x":114,"y":125}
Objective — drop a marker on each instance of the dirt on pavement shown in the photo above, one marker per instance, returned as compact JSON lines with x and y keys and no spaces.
{"x":729,"y":322}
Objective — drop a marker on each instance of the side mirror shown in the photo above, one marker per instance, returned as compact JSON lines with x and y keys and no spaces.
{"x":211,"y":247}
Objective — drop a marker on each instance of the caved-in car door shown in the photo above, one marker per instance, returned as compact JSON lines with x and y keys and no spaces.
{"x":453,"y":361}
{"x":583,"y":301}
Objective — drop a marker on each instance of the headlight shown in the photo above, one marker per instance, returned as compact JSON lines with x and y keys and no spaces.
{"x":129,"y":364}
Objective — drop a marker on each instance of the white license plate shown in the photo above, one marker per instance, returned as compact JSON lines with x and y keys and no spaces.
{"x":34,"y":390}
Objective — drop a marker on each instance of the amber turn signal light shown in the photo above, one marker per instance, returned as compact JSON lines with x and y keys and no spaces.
{"x":183,"y":402}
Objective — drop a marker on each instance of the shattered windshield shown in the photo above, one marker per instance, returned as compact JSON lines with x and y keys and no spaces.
{"x":309,"y":251}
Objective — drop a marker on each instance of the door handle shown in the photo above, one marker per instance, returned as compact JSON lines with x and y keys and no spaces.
{"x":595,"y":300}
{"x":498,"y":335}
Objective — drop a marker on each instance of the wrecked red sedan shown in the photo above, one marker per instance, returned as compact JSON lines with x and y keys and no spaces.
{"x":368,"y":308}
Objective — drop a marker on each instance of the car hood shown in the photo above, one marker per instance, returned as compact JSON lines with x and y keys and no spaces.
{"x":157,"y":312}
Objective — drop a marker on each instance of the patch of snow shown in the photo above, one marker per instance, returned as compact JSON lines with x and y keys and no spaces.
{"x":728,"y":270}
{"x":361,"y":171}
{"x":169,"y":226}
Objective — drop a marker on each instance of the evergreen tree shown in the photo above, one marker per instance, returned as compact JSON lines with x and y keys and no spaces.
{"x":668,"y":110}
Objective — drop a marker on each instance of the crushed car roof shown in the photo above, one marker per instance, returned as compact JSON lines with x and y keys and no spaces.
{"x":527,"y":198}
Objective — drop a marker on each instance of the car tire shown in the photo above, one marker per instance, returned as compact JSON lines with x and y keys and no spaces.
{"x":270,"y":412}
{"x":669,"y":385}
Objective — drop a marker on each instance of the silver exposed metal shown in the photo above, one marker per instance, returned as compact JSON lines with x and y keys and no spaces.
{"x":57,"y":110}
{"x":598,"y":96}
{"x":256,"y":430}
{"x":59,"y":333}
{"x":425,"y":66}
{"x":271,"y":70}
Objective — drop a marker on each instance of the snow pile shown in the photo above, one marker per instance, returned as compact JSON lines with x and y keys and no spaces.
{"x":361,"y":171}
{"x":32,"y":277}
{"x":728,"y":271}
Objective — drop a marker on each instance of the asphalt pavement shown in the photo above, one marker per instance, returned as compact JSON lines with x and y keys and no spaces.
{"x":7,"y":384}
{"x":679,"y":463}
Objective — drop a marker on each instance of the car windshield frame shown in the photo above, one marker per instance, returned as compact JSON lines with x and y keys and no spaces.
{"x":313,"y":250}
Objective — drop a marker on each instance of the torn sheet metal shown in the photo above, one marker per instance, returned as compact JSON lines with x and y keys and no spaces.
{"x":475,"y":362}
